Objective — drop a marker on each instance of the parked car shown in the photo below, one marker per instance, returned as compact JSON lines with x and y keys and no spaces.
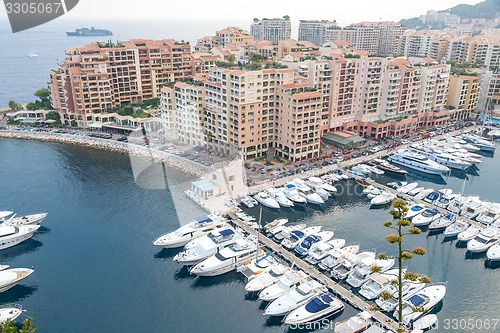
{"x":405,"y":142}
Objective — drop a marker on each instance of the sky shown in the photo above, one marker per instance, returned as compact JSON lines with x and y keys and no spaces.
{"x":344,"y":12}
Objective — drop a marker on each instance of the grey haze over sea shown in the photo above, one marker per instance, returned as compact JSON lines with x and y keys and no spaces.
{"x":21,"y":76}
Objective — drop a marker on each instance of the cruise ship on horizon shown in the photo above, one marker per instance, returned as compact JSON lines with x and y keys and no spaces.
{"x":82,"y":32}
{"x":418,"y":162}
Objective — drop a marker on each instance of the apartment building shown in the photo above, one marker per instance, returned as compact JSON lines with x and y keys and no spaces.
{"x":314,"y":31}
{"x":463,"y":95}
{"x":494,"y":90}
{"x":181,"y":109}
{"x":291,"y":46}
{"x":223,"y":37}
{"x":98,"y":77}
{"x":273,"y":30}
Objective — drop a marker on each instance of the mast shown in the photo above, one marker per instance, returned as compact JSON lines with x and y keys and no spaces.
{"x":259,"y":230}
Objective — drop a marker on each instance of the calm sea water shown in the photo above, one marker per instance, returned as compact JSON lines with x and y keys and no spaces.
{"x":97,"y":271}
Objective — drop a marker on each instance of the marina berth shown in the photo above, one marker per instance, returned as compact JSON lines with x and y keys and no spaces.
{"x":13,"y":235}
{"x":425,"y":299}
{"x":294,"y":298}
{"x":318,"y":307}
{"x":228,"y":259}
{"x":201,"y":248}
{"x":484,"y":240}
{"x":200,"y":226}
{"x":412,"y":160}
{"x":264,"y":199}
{"x":285,"y":283}
{"x":468,"y":233}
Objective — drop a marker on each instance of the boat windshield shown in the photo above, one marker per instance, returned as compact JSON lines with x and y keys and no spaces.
{"x":302,"y":292}
{"x":272,"y":273}
{"x":429,"y":213}
{"x":219,"y":237}
{"x":319,"y":304}
{"x":481,"y":240}
{"x":220,"y":256}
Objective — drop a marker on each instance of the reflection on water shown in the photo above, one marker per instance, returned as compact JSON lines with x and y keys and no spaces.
{"x":166,"y":253}
{"x":30,"y":245}
{"x":183,"y":273}
{"x":17,"y":293}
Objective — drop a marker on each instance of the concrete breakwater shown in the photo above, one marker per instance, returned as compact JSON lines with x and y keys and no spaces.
{"x":170,"y":160}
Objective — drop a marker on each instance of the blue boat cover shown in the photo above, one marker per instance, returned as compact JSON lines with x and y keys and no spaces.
{"x":416,"y":208}
{"x":416,"y":300}
{"x":430,"y":212}
{"x":297,"y":234}
{"x":433,"y":196}
{"x":226,"y":232}
{"x":306,"y":244}
{"x":316,"y":305}
{"x":202,"y":219}
{"x":289,"y":186}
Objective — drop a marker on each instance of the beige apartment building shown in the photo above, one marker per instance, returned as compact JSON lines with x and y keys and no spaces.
{"x":463,"y":95}
{"x":273,"y":30}
{"x":223,"y":37}
{"x":314,"y":31}
{"x":98,"y":77}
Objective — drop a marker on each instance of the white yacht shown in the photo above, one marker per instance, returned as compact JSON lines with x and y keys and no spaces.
{"x":418,"y":162}
{"x":249,"y":202}
{"x":424,"y":323}
{"x":489,"y":214}
{"x":292,"y":193}
{"x":253,"y":268}
{"x":442,"y":223}
{"x":444,"y":159}
{"x":456,"y":205}
{"x":336,"y":256}
{"x":415,"y":191}
{"x":306,"y":192}
{"x":342,"y":270}
{"x":425,"y":299}
{"x":415,"y":210}
{"x":316,"y":182}
{"x":368,"y":189}
{"x":484,"y":240}
{"x":373,"y":193}
{"x":266,"y":279}
{"x":264,"y":199}
{"x":472,"y":208}
{"x":493,"y":253}
{"x":383,"y":198}
{"x":11,"y":277}
{"x":200,"y":226}
{"x":358,"y":323}
{"x":288,"y":281}
{"x":275,"y":223}
{"x":446,"y":199}
{"x":13,"y":235}
{"x":468,"y":234}
{"x":227,"y":259}
{"x":303,"y":247}
{"x":426,"y":217}
{"x":24,"y":220}
{"x":409,"y":289}
{"x":378,"y":283}
{"x":320,"y":250}
{"x":297,"y":236}
{"x":318,"y":307}
{"x":10,"y":312}
{"x":286,"y":231}
{"x":407,"y":188}
{"x":363,"y":270}
{"x":203,"y":247}
{"x":294,"y":298}
{"x":5,"y":214}
{"x":280,"y":197}
{"x":423,"y":193}
{"x":455,"y":228}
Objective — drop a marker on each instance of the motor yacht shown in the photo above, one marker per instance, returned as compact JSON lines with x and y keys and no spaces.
{"x":443,"y":158}
{"x":423,"y":193}
{"x":342,"y":270}
{"x":472,"y":208}
{"x":24,"y":220}
{"x":418,"y":162}
{"x":493,"y":253}
{"x":253,"y":268}
{"x":264,"y":199}
{"x":489,"y":214}
{"x":363,"y":270}
{"x":306,"y":192}
{"x":316,"y":182}
{"x":249,"y":202}
{"x":407,"y":188}
{"x":285,"y":283}
{"x":280,"y":197}
{"x":297,"y":236}
{"x":286,"y":231}
{"x":368,"y":189}
{"x":456,"y":205}
{"x":302,"y":249}
{"x":484,"y":240}
{"x":320,"y":250}
{"x":409,"y":289}
{"x":387,"y":167}
{"x":455,"y":228}
{"x":383,"y":198}
{"x":203,"y":247}
{"x":227,"y":259}
{"x":5,"y":214}
{"x":291,"y":192}
{"x":378,"y":283}
{"x":415,"y":210}
{"x":336,"y":256}
{"x":294,"y":298}
{"x":375,"y":192}
{"x":415,"y":191}
{"x":13,"y":235}
{"x":396,"y":185}
{"x":468,"y":234}
{"x":442,"y":223}
{"x":425,"y":299}
{"x":10,"y":312}
{"x":358,"y":323}
{"x":275,"y":223}
{"x":433,"y":197}
{"x":426,"y":217}
{"x":200,"y":226}
{"x":266,"y":279}
{"x":11,"y":277}
{"x":318,"y":307}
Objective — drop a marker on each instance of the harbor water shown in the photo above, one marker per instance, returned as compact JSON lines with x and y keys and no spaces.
{"x":97,"y":271}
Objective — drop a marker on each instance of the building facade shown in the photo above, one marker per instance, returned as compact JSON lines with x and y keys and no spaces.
{"x":314,"y":31}
{"x":273,"y":30}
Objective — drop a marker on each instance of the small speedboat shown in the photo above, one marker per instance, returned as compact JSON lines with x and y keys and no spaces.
{"x":409,"y":289}
{"x":318,"y":307}
{"x":414,"y":210}
{"x":280,"y":197}
{"x":10,"y":312}
{"x":378,"y":283}
{"x":433,"y":197}
{"x":24,"y":220}
{"x":468,"y":234}
{"x":275,"y":223}
{"x":383,"y":198}
{"x":286,"y":282}
{"x":320,"y":250}
{"x":442,"y":223}
{"x":373,"y":193}
{"x":363,"y":270}
{"x":200,"y":226}
{"x":484,"y":240}
{"x":455,"y":228}
{"x":396,"y":185}
{"x":357,"y":323}
{"x":407,"y":188}
{"x":424,"y":323}
{"x":415,"y":191}
{"x":493,"y":253}
{"x":342,"y":270}
{"x":264,"y":199}
{"x":425,"y":299}
{"x":11,"y":277}
{"x":266,"y":279}
{"x":294,"y":298}
{"x":426,"y":217}
{"x":336,"y":256}
{"x":303,"y":248}
{"x":297,"y":236}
